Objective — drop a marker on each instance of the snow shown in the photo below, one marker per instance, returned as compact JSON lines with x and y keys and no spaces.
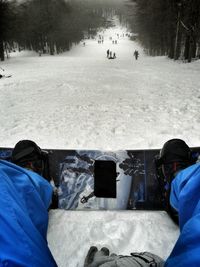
{"x":82,"y":100}
{"x":71,"y":233}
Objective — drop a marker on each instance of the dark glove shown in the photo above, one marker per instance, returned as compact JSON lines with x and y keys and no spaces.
{"x":102,"y":258}
{"x":96,"y":258}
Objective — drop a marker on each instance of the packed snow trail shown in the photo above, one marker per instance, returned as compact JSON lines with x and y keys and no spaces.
{"x":80,"y":99}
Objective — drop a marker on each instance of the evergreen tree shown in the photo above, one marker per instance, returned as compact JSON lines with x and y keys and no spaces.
{"x":5,"y":16}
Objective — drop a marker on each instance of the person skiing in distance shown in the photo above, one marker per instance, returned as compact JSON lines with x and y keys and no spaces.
{"x":136,"y":54}
{"x":108,"y":53}
{"x":3,"y":75}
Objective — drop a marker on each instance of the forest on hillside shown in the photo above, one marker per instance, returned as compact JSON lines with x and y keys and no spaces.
{"x":170,"y":27}
{"x":47,"y":25}
{"x":52,"y":26}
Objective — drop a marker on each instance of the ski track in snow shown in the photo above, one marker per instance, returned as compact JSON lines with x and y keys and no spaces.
{"x":82,"y":100}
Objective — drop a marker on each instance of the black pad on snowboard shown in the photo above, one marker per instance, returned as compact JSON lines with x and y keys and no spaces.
{"x":105,"y":179}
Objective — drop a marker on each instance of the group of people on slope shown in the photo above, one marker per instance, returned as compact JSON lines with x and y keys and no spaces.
{"x":110,"y":54}
{"x":25,"y":197}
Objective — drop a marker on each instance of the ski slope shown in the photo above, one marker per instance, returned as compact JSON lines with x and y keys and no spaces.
{"x":82,"y":100}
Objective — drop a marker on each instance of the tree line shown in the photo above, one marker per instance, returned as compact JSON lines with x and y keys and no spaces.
{"x":50,"y":26}
{"x":169,"y":27}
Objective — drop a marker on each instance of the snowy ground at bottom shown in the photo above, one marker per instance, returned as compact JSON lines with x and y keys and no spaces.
{"x":71,"y":233}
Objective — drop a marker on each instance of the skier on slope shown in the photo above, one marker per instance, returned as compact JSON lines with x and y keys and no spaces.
{"x":3,"y":75}
{"x":108,"y":53}
{"x":136,"y":54}
{"x":182,"y":178}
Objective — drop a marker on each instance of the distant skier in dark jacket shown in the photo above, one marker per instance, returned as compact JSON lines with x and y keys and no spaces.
{"x":108,"y":53}
{"x":136,"y":54}
{"x":3,"y":75}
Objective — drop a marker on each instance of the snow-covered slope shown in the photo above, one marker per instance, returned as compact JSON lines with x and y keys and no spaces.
{"x":81,"y":99}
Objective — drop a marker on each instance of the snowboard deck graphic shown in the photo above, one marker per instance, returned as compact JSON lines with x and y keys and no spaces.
{"x":78,"y":173}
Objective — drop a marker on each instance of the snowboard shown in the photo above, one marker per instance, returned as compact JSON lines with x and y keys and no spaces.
{"x":105,"y":180}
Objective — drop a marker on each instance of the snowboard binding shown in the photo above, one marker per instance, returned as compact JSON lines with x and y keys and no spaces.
{"x":174,"y":157}
{"x":29,"y":155}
